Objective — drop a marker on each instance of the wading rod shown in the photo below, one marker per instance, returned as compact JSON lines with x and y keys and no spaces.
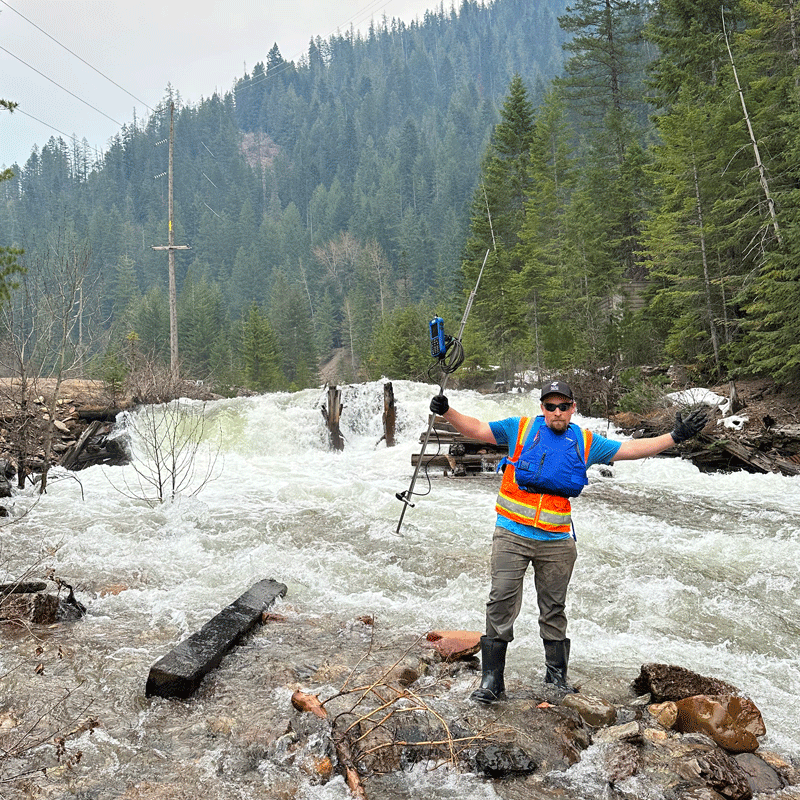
{"x":405,"y":497}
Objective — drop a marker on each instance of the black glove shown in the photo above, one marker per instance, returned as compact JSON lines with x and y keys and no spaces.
{"x":439,"y":404}
{"x":690,"y":425}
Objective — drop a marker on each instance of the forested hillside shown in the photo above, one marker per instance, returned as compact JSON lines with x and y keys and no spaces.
{"x":631,"y":168}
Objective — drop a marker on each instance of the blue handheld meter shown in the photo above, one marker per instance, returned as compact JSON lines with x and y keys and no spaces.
{"x":438,"y":343}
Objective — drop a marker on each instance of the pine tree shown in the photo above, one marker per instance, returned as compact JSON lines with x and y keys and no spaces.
{"x":9,"y":264}
{"x":498,"y":210}
{"x":290,"y":317}
{"x":260,"y":353}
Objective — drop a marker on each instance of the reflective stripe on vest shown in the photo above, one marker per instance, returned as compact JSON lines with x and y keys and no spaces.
{"x":546,"y":511}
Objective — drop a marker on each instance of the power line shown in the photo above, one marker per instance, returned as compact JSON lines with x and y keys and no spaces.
{"x":94,"y":108}
{"x":71,"y":136}
{"x":60,"y":44}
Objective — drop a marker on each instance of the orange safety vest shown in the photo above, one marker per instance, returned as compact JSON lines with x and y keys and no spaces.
{"x":550,"y":512}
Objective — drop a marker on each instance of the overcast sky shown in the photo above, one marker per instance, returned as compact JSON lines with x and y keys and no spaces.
{"x":142,"y":45}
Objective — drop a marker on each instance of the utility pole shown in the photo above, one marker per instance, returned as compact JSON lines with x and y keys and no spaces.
{"x":171,"y":248}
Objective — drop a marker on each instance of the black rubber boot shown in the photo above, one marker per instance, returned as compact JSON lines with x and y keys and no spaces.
{"x":493,"y":662}
{"x":556,"y":658}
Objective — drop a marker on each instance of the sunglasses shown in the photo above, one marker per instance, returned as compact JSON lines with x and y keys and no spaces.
{"x":559,"y":406}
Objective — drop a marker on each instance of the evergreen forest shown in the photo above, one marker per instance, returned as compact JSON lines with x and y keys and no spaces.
{"x":628,"y":172}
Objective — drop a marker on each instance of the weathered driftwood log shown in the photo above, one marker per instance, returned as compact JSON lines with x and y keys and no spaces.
{"x":389,"y":414}
{"x":755,"y":453}
{"x":95,"y":446}
{"x":332,"y":413}
{"x":179,"y":673}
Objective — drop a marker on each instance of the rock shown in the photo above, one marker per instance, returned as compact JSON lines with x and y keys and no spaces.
{"x":690,"y":791}
{"x":715,"y":769}
{"x":454,"y":645}
{"x":629,"y":732}
{"x":620,"y":761}
{"x":318,"y":768}
{"x":655,"y":736}
{"x":503,"y":761}
{"x":555,"y":736}
{"x":760,"y":775}
{"x":404,"y":675}
{"x":593,"y":710}
{"x":665,"y":714}
{"x":40,"y":608}
{"x":788,"y":773}
{"x":729,"y":721}
{"x":670,"y":682}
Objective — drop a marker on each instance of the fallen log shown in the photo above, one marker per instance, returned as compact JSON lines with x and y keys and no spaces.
{"x":180,"y":672}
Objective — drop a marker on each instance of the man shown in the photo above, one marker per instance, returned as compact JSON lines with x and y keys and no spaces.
{"x":548,"y":458}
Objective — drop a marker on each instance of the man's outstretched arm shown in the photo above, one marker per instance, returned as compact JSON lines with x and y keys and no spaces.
{"x":685,"y":428}
{"x":470,"y":427}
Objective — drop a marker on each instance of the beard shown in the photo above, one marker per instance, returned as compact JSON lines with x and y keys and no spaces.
{"x":558,"y":425}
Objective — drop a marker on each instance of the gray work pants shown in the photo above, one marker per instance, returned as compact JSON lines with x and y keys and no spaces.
{"x":552,"y":569}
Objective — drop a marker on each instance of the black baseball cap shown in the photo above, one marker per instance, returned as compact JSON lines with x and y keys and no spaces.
{"x":556,"y":387}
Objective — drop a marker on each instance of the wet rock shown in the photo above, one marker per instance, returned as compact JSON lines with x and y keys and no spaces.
{"x":319,"y":769}
{"x":630,"y":732}
{"x":555,"y":736}
{"x":789,"y":773}
{"x":665,"y":714}
{"x":504,"y":761}
{"x":620,"y":761}
{"x":40,"y":608}
{"x":595,"y":711}
{"x":690,"y":791}
{"x":760,"y":775}
{"x":404,"y":675}
{"x":729,"y":721}
{"x":454,"y":645}
{"x":670,"y":682}
{"x":655,"y":735}
{"x":715,"y":769}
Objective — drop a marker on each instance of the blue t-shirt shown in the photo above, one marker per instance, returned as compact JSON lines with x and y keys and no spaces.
{"x":505,"y":431}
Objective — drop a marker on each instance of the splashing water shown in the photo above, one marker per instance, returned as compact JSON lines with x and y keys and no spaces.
{"x":674,"y":566}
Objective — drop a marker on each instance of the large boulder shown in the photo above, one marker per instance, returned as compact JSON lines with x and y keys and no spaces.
{"x":670,"y":682}
{"x":732,"y":722}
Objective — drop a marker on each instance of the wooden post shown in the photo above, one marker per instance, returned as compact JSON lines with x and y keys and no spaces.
{"x":389,"y":414}
{"x":171,"y":248}
{"x":331,"y":413}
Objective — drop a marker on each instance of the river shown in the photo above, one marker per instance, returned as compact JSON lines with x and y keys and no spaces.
{"x":674,"y":566}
